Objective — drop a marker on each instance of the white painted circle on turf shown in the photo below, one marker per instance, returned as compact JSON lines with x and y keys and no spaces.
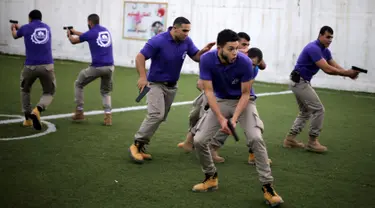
{"x":50,"y":128}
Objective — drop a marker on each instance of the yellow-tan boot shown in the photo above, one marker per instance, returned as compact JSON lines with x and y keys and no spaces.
{"x":135,"y":152}
{"x":27,"y":123}
{"x":270,"y":195}
{"x":145,"y":155}
{"x":35,"y":117}
{"x":215,"y":156}
{"x":78,"y":115}
{"x":108,"y":119}
{"x":291,"y":142}
{"x":187,"y":145}
{"x":251,"y":159}
{"x":210,"y":183}
{"x":314,"y":146}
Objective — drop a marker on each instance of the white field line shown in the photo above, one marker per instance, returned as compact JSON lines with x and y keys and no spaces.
{"x":132,"y":108}
{"x":50,"y":128}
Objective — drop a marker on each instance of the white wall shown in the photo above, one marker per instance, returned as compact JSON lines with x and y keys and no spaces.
{"x":281,"y":28}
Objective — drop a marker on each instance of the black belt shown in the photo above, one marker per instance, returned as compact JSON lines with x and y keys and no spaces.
{"x":252,"y":98}
{"x":232,"y":97}
{"x":168,"y":84}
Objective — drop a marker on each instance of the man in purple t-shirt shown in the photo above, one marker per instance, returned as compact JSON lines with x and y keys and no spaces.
{"x":167,"y":52}
{"x":227,"y":78}
{"x":102,"y":65}
{"x":200,"y":106}
{"x":313,"y":57}
{"x":38,"y":65}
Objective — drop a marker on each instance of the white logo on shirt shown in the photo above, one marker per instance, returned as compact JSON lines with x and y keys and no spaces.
{"x":104,"y":39}
{"x":40,"y":36}
{"x":235,"y":81}
{"x":184,"y":55}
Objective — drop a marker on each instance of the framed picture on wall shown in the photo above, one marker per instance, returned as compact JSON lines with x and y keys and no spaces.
{"x":142,"y":20}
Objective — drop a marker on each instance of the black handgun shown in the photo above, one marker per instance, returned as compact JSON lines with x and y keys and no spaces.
{"x":359,"y":69}
{"x":233,"y":130}
{"x":142,"y":94}
{"x":68,"y":28}
{"x":14,"y":22}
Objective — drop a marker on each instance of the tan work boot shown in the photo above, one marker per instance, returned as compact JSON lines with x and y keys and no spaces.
{"x":27,"y":123}
{"x":107,"y":119}
{"x":146,"y":156}
{"x":35,"y":117}
{"x":135,"y":153}
{"x":78,"y":115}
{"x":210,"y":183}
{"x":291,"y":142}
{"x":314,"y":146}
{"x":187,"y":145}
{"x":251,"y":159}
{"x":270,"y":195}
{"x":215,"y":156}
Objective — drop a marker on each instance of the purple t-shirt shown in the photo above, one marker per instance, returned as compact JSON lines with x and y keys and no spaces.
{"x":312,"y":53}
{"x":37,"y":38}
{"x":226,"y":79}
{"x":167,"y":56}
{"x":100,"y":43}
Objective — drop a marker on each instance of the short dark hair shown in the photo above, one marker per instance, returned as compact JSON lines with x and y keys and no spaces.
{"x":255,"y":52}
{"x":225,"y":36}
{"x":324,"y":29}
{"x":94,"y":18}
{"x":180,"y":20}
{"x":35,"y":15}
{"x":244,"y":36}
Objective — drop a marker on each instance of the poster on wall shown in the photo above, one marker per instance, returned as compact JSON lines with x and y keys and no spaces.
{"x":142,"y":20}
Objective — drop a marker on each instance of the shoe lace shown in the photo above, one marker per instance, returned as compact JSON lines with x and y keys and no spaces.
{"x":270,"y":190}
{"x":208,"y":177}
{"x":141,"y":148}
